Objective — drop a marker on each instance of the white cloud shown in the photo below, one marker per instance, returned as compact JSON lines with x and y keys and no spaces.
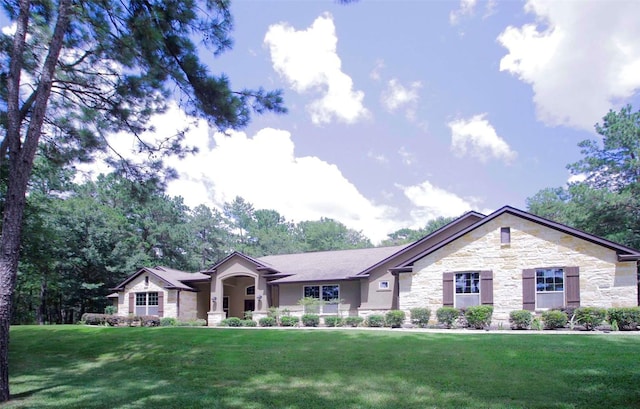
{"x":375,"y":73}
{"x":466,"y":9}
{"x":397,"y":96}
{"x":408,"y":158}
{"x":477,"y":137}
{"x":264,"y":170}
{"x":579,"y":57}
{"x":432,"y":202}
{"x":378,"y":157}
{"x":308,"y":60}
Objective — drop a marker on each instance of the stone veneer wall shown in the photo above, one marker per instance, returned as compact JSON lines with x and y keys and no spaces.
{"x":138,"y":285}
{"x":604,"y":282}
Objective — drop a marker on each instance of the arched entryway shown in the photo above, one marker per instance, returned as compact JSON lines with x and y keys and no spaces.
{"x":239,"y":295}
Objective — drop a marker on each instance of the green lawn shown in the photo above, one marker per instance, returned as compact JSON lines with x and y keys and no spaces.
{"x":98,"y":367}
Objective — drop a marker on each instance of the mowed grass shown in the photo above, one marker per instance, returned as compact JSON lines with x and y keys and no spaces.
{"x":99,"y":367}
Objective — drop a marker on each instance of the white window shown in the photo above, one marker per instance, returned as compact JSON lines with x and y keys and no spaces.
{"x":549,"y":287}
{"x":467,"y":289}
{"x":329,"y":294}
{"x":147,"y":303}
{"x":383,"y":285}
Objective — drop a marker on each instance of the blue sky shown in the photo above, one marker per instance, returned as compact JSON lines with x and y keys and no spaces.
{"x":403,"y":111}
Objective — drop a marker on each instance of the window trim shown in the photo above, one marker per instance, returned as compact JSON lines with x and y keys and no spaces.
{"x":455,"y":287}
{"x":320,"y":292}
{"x":505,"y":235}
{"x":147,"y":298}
{"x":538,"y":292}
{"x":246,"y":290}
{"x":384,"y":285}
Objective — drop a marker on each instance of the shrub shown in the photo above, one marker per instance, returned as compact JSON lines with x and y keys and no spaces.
{"x":353,"y":321}
{"x":394,"y":318}
{"x":231,"y":322}
{"x":333,"y":321}
{"x":420,"y":316}
{"x":289,"y":321}
{"x":114,"y":320}
{"x":267,"y":322}
{"x":554,"y":319}
{"x":149,"y":321}
{"x":375,"y":320}
{"x":248,"y":323}
{"x":94,"y":319}
{"x":536,"y":324}
{"x":168,"y":322}
{"x":520,"y":319}
{"x":191,"y":323}
{"x":590,"y":317}
{"x":447,"y":316}
{"x":248,"y":315}
{"x":627,"y":318}
{"x":310,"y":320}
{"x":479,"y":316}
{"x":110,"y":310}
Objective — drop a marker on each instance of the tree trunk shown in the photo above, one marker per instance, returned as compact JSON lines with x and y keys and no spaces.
{"x":42,"y":309}
{"x":21,"y":156}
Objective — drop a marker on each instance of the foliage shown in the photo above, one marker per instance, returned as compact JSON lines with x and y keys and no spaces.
{"x":406,"y":235}
{"x":353,"y":321}
{"x":464,"y":370}
{"x":310,"y":305}
{"x":94,"y":319}
{"x":590,"y":317}
{"x":168,"y":322}
{"x":248,"y":323}
{"x":289,"y":321}
{"x":267,"y":322}
{"x":328,"y":234}
{"x":520,"y":319}
{"x":110,"y":309}
{"x":553,"y":319}
{"x":536,"y":324}
{"x":627,"y":318}
{"x":248,"y":315}
{"x":199,"y":322}
{"x":231,"y":322}
{"x":375,"y":320}
{"x":614,"y":326}
{"x":394,"y":318}
{"x":420,"y":316}
{"x":149,"y":321}
{"x":447,"y":316}
{"x":478,"y":316}
{"x":333,"y":321}
{"x":310,"y":320}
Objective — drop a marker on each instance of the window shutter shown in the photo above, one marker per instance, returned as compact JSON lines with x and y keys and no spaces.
{"x":529,"y":289}
{"x":572,"y":289}
{"x":161,"y":304}
{"x":131,"y":302}
{"x":447,"y":289}
{"x":486,"y":287}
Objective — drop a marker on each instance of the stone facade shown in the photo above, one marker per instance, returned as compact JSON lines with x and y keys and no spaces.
{"x":604,"y":281}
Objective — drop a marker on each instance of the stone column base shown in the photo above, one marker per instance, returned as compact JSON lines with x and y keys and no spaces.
{"x":214,"y":318}
{"x":257,"y":315}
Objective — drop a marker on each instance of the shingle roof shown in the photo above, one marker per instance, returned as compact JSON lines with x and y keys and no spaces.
{"x":326,"y":265}
{"x":173,"y":278}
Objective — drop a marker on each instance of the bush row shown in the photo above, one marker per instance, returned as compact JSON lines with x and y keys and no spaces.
{"x":116,"y":320}
{"x":173,"y":322}
{"x":619,"y":318}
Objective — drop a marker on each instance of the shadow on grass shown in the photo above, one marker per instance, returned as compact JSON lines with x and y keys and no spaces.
{"x":78,"y":367}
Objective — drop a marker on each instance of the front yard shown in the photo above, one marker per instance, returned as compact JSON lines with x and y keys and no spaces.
{"x":102,"y":367}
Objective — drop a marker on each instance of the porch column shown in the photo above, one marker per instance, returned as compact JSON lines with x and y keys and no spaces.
{"x":261,"y":300}
{"x":216,"y":313}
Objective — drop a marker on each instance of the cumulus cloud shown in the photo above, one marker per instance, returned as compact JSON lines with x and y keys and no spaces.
{"x":431,"y":202}
{"x":579,"y":58}
{"x":476,"y":137}
{"x":465,"y":9}
{"x":397,"y":97}
{"x":308,"y":61}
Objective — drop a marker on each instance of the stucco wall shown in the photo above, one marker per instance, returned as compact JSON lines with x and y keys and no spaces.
{"x":290,"y":295}
{"x":188,"y":305}
{"x":604,"y":281}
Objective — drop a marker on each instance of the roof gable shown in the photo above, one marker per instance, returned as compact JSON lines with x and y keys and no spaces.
{"x":624,"y":253}
{"x":236,"y":254}
{"x":174,"y":279}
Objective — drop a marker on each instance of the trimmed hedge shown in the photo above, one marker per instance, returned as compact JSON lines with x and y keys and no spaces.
{"x":394,"y":318}
{"x":231,"y":322}
{"x":479,"y":316}
{"x":267,"y":322}
{"x":310,"y":320}
{"x":554,"y":319}
{"x":627,"y":318}
{"x":420,"y":316}
{"x":289,"y":321}
{"x":333,"y":321}
{"x":248,"y":323}
{"x":375,"y":320}
{"x":520,"y":319}
{"x":447,"y":316}
{"x":353,"y":321}
{"x":590,"y":317}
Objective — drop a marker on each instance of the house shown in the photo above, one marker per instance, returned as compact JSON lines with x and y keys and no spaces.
{"x":509,"y":259}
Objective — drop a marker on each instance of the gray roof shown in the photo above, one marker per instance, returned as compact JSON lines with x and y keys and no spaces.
{"x":174,"y":278}
{"x":326,"y":265}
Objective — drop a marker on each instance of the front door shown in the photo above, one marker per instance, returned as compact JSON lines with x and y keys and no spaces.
{"x":249,"y":305}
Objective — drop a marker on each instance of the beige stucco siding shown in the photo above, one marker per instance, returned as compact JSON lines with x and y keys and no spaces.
{"x":290,"y":295}
{"x":604,"y":281}
{"x":188,"y":305}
